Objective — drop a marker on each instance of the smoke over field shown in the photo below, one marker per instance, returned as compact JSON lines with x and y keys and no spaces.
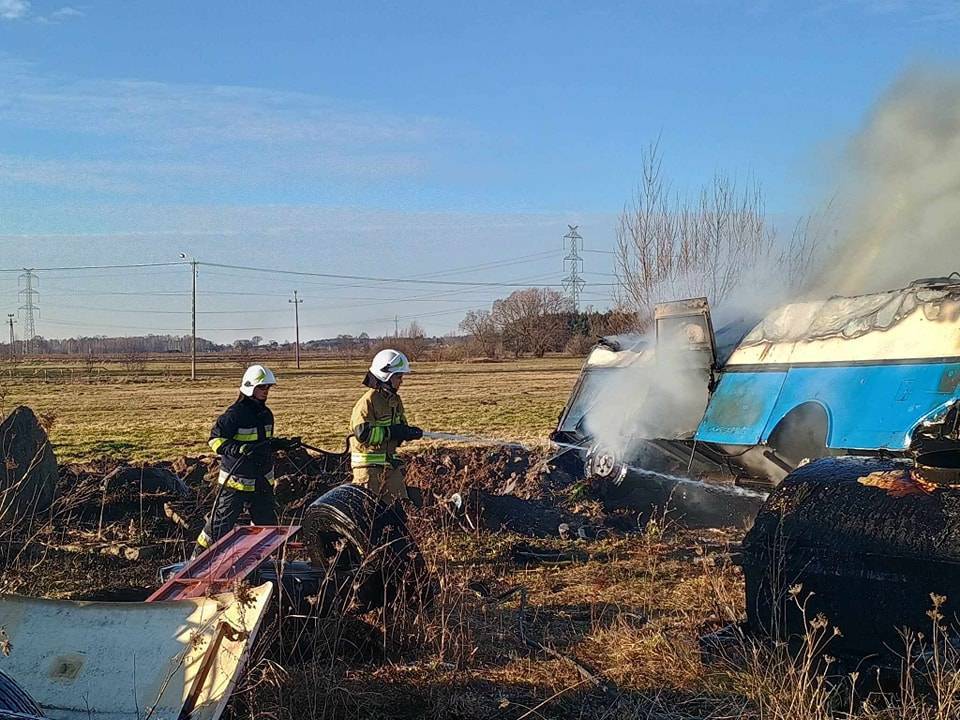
{"x":900,"y":198}
{"x":653,"y":397}
{"x":896,"y":218}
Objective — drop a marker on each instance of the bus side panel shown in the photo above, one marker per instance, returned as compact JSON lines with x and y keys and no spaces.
{"x":740,"y":407}
{"x":870,"y":407}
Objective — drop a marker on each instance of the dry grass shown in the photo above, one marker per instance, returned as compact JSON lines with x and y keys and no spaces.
{"x":612,"y":636}
{"x":520,"y":654}
{"x":501,"y":640}
{"x":156,"y":413}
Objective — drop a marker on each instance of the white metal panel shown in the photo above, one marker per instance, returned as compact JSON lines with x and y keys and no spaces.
{"x":82,"y":660}
{"x":605,"y":357}
{"x":916,"y":336}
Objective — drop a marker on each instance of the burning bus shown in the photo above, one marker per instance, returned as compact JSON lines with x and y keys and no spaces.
{"x":865,"y":388}
{"x":864,"y":375}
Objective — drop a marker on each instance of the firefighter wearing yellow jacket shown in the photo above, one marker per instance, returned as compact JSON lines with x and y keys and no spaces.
{"x":378,"y":425}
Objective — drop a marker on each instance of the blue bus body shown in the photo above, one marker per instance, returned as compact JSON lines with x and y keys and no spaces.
{"x":868,"y":407}
{"x":862,"y":375}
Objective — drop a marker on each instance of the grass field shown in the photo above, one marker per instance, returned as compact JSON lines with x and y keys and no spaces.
{"x":155,"y":412}
{"x":612,"y":632}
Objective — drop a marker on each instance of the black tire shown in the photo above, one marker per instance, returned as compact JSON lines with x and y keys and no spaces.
{"x":349,"y":531}
{"x":15,"y":700}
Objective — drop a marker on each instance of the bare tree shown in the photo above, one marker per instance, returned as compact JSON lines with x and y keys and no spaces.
{"x":615,"y":321}
{"x":671,"y":247}
{"x":532,"y":320}
{"x":482,"y":328}
{"x":412,"y":341}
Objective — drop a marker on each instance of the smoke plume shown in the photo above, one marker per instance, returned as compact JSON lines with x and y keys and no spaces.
{"x":901,"y":192}
{"x":896,"y":218}
{"x":661,"y":395}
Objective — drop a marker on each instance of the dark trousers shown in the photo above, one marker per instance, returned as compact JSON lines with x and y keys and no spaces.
{"x":227,"y":508}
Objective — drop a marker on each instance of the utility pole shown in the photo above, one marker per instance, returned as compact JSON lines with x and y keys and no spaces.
{"x":13,"y":339}
{"x":296,"y":318}
{"x":193,"y":323}
{"x":193,"y":315}
{"x":28,"y":294}
{"x":396,"y":326}
{"x":573,"y":283}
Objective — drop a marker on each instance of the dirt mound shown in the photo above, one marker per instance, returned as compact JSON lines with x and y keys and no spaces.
{"x":105,"y":491}
{"x":92,"y":495}
{"x":304,"y":476}
{"x":505,"y":488}
{"x":114,"y":525}
{"x":502,"y":470}
{"x":497,"y":513}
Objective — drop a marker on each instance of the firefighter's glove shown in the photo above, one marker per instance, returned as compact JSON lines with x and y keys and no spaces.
{"x":414,"y":433}
{"x":254,"y":448}
{"x":402,"y":433}
{"x":279,"y":443}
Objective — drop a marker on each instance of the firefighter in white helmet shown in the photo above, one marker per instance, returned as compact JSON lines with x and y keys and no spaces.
{"x":378,"y":425}
{"x":243,"y":438}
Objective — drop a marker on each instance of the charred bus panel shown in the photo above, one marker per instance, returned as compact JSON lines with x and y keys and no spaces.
{"x":870,"y":374}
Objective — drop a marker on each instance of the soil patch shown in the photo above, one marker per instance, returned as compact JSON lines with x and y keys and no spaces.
{"x":502,"y":470}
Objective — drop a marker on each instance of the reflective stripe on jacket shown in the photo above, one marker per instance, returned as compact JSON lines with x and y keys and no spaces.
{"x":237,"y":482}
{"x":378,"y":409}
{"x":245,"y":422}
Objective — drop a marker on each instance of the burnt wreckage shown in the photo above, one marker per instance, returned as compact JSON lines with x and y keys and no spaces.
{"x":844,"y":409}
{"x":181,"y":651}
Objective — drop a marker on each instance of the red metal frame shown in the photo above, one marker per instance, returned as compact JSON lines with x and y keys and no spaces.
{"x":230,"y":559}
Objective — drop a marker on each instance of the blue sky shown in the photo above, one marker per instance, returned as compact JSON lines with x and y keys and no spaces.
{"x":403,"y":139}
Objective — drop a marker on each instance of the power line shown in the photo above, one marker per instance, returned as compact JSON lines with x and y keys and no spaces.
{"x":369,"y":278}
{"x":137,"y":293}
{"x":95,"y":267}
{"x":163,"y":312}
{"x":440,"y":296}
{"x":335,"y":276}
{"x":522,"y":259}
{"x":437,"y":296}
{"x":457,"y":293}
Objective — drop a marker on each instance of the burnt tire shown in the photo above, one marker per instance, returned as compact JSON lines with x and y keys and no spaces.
{"x":15,"y":702}
{"x":357,"y":537}
{"x":604,"y":467}
{"x":866,"y":554}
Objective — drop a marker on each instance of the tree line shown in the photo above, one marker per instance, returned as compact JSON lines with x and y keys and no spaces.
{"x":535,"y":321}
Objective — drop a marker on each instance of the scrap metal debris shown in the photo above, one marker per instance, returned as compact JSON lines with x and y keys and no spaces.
{"x":131,"y":660}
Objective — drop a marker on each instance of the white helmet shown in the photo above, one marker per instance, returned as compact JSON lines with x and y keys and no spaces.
{"x":255,"y":376}
{"x":387,"y":363}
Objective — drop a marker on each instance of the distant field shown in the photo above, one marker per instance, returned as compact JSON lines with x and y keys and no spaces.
{"x":154,"y":411}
